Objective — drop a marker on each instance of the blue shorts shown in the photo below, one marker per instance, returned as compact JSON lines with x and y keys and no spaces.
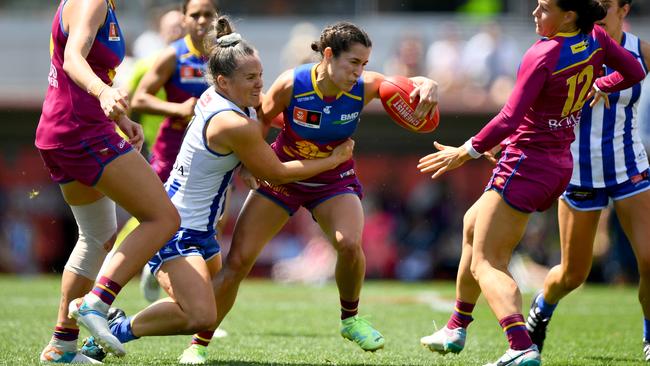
{"x":185,"y":243}
{"x":591,"y":199}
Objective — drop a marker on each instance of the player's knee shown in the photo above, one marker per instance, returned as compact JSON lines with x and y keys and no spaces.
{"x":468,"y":226}
{"x":348,"y":245}
{"x":97,"y":230}
{"x":237,"y":266}
{"x":571,"y":280}
{"x":202,"y":320}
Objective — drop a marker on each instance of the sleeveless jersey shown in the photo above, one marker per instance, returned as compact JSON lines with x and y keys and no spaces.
{"x":546,"y":103}
{"x":70,"y":114}
{"x":608,"y":148}
{"x":314,"y":125}
{"x":188,"y":80}
{"x":198,"y":182}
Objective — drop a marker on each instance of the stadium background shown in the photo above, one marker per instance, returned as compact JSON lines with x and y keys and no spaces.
{"x":413,"y":225}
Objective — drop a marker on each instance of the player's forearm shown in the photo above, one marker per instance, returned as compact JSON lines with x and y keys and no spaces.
{"x":296,"y":170}
{"x":78,"y":69}
{"x":150,"y":104}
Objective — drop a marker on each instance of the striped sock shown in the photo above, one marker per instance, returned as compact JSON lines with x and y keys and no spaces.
{"x":545,"y":309}
{"x":461,"y":316}
{"x":65,"y":334}
{"x":515,"y":329}
{"x":106,"y":290}
{"x":349,"y":308}
{"x":203,"y":338}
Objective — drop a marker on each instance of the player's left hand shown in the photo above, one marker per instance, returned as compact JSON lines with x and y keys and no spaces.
{"x":445,"y":159}
{"x":597,"y":94}
{"x":248,"y":178}
{"x":427,"y":91}
{"x":132,"y":130}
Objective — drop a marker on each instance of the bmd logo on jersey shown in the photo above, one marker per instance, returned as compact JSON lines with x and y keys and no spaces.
{"x":113,"y":32}
{"x":306,"y":118}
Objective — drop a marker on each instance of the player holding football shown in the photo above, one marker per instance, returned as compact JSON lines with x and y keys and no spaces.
{"x":557,"y":75}
{"x":321,"y":104}
{"x":609,"y":161}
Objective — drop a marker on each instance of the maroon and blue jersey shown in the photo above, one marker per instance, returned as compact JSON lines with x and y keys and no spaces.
{"x":70,"y":114}
{"x":553,"y":80}
{"x":188,"y":80}
{"x":314,"y":125}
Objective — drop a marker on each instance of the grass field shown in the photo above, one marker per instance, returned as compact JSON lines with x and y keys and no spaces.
{"x":274,"y":324}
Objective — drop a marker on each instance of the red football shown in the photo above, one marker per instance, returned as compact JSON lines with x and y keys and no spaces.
{"x":394,"y":93}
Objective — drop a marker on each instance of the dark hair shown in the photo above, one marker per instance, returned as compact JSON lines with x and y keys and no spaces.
{"x":588,"y":11}
{"x":340,"y":37}
{"x":225,"y":48}
{"x":186,"y":2}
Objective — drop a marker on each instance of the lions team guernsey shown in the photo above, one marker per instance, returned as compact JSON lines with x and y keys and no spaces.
{"x":70,"y":114}
{"x":314,"y":125}
{"x":608,"y":148}
{"x":553,"y":80}
{"x":198,"y":182}
{"x":188,"y":80}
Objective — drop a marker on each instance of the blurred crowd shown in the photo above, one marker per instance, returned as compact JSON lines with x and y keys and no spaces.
{"x":413,"y":225}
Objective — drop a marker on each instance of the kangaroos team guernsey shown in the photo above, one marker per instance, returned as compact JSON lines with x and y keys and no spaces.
{"x":188,"y":80}
{"x":69,"y":113}
{"x":553,"y":81}
{"x":314,"y":125}
{"x":608,"y":148}
{"x":198,"y":182}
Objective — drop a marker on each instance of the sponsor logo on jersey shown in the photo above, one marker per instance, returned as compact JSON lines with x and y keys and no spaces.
{"x":113,"y":32}
{"x":306,"y":118}
{"x":327,"y":108}
{"x":191,"y":75}
{"x":569,"y":121}
{"x":579,"y":47}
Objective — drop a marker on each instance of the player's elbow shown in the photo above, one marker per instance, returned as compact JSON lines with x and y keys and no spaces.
{"x":138,"y":102}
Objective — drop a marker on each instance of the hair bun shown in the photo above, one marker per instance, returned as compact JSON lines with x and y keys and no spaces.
{"x":229,"y":40}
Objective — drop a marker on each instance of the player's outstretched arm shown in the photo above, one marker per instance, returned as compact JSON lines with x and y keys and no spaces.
{"x":230,"y":131}
{"x":445,"y":159}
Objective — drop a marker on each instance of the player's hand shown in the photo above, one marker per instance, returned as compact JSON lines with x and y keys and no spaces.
{"x":491,"y":155}
{"x":248,"y":178}
{"x":133,"y":131}
{"x":426,"y":90}
{"x":186,"y":109}
{"x":114,"y":103}
{"x":343,"y":152}
{"x":597,"y":94}
{"x":447,"y":158}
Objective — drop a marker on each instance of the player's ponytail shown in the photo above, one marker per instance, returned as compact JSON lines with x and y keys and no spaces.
{"x":225,"y":48}
{"x":588,"y":12}
{"x":340,"y":37}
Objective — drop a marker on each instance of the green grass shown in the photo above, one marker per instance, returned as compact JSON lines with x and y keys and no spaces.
{"x":274,"y":324}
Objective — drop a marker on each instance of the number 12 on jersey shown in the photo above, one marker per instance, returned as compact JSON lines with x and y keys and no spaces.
{"x":583,"y":79}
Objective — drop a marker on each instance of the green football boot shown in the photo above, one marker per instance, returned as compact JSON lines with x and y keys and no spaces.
{"x":361,"y":332}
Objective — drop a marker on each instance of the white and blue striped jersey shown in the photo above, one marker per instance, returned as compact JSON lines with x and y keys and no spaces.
{"x":608,"y":148}
{"x":199,"y":180}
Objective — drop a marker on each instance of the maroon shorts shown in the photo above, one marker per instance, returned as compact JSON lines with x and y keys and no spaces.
{"x":293,"y":195}
{"x":85,"y":161}
{"x":528,"y":184}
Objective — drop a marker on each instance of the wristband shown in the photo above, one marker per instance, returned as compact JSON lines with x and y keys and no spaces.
{"x":471,"y":150}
